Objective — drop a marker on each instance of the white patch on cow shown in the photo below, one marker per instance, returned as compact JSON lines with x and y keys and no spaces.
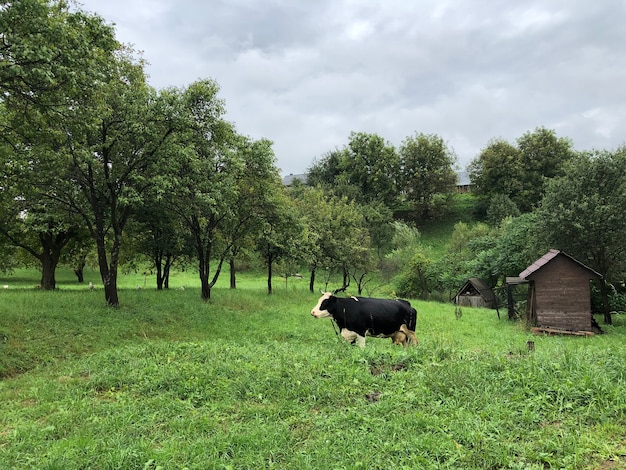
{"x":316,"y":312}
{"x":354,"y":298}
{"x":350,"y":336}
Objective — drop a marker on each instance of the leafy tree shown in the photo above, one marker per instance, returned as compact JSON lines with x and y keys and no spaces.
{"x":325,"y":171}
{"x":517,"y":246}
{"x":39,"y":231}
{"x":283,"y":236}
{"x":495,"y":172}
{"x":110,"y":160}
{"x":79,"y":252}
{"x":582,"y":213}
{"x":379,"y":223}
{"x":50,"y":59}
{"x":520,"y":172}
{"x":501,"y":207}
{"x":202,"y":168}
{"x":371,"y":164}
{"x":337,"y":237}
{"x":259,"y":186}
{"x":366,"y":170}
{"x":427,"y":170}
{"x":50,"y":56}
{"x":156,"y":233}
{"x":543,"y":157}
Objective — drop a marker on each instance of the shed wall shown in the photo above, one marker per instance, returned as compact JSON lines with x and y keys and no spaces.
{"x":562,"y":296}
{"x":472,"y":301}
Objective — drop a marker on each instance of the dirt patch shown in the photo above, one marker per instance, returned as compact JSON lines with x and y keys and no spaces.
{"x":382,"y":368}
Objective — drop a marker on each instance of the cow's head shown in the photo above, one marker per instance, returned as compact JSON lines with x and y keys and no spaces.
{"x":321,"y":309}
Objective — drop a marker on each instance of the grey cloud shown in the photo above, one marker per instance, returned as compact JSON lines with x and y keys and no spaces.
{"x":305,"y":74}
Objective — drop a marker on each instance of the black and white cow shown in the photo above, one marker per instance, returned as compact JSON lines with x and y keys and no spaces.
{"x":358,"y":317}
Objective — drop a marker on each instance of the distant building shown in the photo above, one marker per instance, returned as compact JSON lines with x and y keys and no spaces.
{"x":290,"y":178}
{"x":476,"y":293}
{"x":463,"y":183}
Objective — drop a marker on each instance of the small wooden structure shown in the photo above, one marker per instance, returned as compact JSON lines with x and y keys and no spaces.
{"x":559,"y":295}
{"x":475,"y":293}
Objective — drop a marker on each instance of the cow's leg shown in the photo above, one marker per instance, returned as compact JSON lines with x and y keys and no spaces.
{"x":409,"y":334}
{"x":351,"y":336}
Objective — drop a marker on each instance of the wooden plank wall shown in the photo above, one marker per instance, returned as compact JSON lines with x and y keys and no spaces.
{"x":563,"y":296}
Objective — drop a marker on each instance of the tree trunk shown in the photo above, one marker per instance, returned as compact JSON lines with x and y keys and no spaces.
{"x":312,"y":279}
{"x":51,"y":245}
{"x":79,"y":270}
{"x":233,"y":274}
{"x":158,"y":264}
{"x":48,"y":267}
{"x":605,"y":303}
{"x":110,"y":290}
{"x":270,"y":261}
{"x":169,"y":260}
{"x":206,"y":288}
{"x":108,"y":271}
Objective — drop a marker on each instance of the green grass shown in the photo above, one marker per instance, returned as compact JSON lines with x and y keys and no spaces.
{"x":436,"y":233}
{"x":253,"y":381}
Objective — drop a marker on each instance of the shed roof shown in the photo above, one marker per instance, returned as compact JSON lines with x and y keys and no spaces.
{"x":549,"y":256}
{"x":483,"y":289}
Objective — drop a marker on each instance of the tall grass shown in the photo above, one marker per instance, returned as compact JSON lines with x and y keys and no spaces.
{"x":249,"y":380}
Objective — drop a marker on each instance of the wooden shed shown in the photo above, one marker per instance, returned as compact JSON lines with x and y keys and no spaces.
{"x":475,"y":293}
{"x":559,"y":295}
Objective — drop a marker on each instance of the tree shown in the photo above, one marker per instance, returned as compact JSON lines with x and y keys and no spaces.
{"x":543,"y":157}
{"x":520,"y":172}
{"x":582,"y":214}
{"x":50,"y":60}
{"x":337,"y":236}
{"x":495,"y":172}
{"x":202,"y":170}
{"x":259,"y":185}
{"x":156,"y":233}
{"x":427,"y":170}
{"x":29,"y":219}
{"x":366,"y":170}
{"x":50,"y":55}
{"x":282,"y":237}
{"x":111,"y":160}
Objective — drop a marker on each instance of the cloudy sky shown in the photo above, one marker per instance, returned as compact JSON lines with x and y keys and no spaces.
{"x":305,"y":73}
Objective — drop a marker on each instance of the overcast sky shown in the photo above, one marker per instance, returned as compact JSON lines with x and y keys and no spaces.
{"x":305,"y":73}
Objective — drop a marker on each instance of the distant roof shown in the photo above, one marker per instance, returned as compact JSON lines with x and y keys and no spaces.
{"x":290,"y":178}
{"x":463,"y":178}
{"x":549,"y":256}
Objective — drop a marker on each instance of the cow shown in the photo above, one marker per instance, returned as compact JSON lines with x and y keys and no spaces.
{"x":358,"y":317}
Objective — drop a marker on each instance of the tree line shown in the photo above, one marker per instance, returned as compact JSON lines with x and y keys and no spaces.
{"x":97,"y":163}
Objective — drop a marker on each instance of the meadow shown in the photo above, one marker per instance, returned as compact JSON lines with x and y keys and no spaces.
{"x":251,"y":381}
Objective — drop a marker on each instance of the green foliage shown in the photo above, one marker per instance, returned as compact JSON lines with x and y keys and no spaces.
{"x":50,"y":55}
{"x":417,"y":279}
{"x":427,"y":173}
{"x":519,"y":172}
{"x":337,"y":234}
{"x":365,"y":170}
{"x":583,"y":211}
{"x":252,"y":381}
{"x":501,"y":207}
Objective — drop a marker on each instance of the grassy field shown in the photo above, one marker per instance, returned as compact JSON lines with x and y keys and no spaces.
{"x":253,"y":381}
